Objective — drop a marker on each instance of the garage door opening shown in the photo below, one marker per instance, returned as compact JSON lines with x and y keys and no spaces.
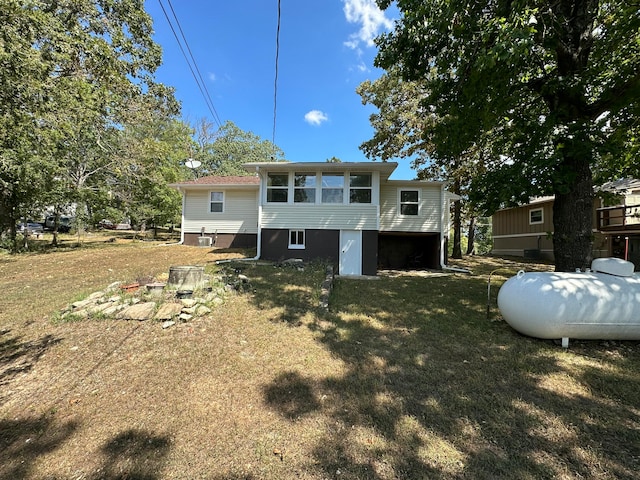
{"x":408,"y":251}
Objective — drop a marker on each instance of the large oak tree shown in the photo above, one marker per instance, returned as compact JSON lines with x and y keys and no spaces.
{"x":550,"y":88}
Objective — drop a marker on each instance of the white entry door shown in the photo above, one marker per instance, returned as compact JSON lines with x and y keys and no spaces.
{"x":350,"y":252}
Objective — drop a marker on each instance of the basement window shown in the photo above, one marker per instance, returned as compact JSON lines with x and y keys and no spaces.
{"x":536,"y":216}
{"x":296,"y":239}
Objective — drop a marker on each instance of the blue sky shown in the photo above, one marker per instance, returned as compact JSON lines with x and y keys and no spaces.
{"x":326,"y":51}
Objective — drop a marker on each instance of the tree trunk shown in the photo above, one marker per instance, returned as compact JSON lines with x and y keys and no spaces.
{"x":471,"y":236}
{"x":573,"y":217}
{"x":457,"y":223}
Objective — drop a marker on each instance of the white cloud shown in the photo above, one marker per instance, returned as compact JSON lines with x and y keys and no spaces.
{"x":371,"y":19}
{"x":212,"y":76}
{"x":315,"y":117}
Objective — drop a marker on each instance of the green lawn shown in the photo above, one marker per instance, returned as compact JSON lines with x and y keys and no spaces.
{"x":404,"y":377}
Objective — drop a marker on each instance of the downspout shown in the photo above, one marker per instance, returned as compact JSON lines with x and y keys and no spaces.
{"x":259,"y":239}
{"x":444,"y":227}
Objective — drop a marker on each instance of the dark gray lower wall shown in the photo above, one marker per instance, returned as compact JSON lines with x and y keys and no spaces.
{"x":224,"y":240}
{"x":369,"y":252}
{"x":319,"y":244}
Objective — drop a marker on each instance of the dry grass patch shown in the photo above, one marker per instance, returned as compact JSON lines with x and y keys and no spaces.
{"x":404,"y":378}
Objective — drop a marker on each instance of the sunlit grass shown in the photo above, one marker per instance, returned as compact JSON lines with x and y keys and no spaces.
{"x":404,"y":377}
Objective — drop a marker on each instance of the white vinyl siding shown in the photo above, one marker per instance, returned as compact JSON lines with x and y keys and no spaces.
{"x":240,"y":213}
{"x":332,"y":216}
{"x":429,"y":209}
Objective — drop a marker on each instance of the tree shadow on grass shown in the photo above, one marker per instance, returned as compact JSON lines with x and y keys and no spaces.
{"x":434,"y":390}
{"x":288,"y":290}
{"x":18,"y":356}
{"x":291,"y":395}
{"x":23,"y":441}
{"x":134,"y":455}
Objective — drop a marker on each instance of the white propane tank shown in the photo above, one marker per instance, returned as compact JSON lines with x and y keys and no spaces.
{"x":603,"y":304}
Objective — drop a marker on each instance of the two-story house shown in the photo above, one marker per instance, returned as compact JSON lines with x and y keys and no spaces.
{"x":527,"y":230}
{"x":350,"y":213}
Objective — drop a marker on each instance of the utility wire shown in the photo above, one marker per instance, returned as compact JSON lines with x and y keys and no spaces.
{"x":198,"y":78}
{"x":204,"y":84}
{"x":275,"y":82}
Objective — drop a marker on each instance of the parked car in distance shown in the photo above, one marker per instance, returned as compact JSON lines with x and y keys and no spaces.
{"x":30,"y":228}
{"x":109,"y":225}
{"x":64,"y":223}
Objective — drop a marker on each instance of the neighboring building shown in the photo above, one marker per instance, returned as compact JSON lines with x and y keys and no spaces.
{"x":349,"y":213}
{"x":526,"y":231}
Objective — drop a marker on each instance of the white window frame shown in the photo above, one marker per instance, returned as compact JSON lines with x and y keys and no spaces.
{"x":324,"y":188}
{"x":286,"y":188}
{"x":305,"y":187}
{"x":400,"y":202}
{"x":369,"y":187}
{"x":211,"y":201}
{"x":537,"y":222}
{"x":300,"y":239}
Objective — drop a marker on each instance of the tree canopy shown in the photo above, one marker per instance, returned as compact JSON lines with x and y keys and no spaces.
{"x":223,"y":151}
{"x":548,"y":91}
{"x":70,"y":73}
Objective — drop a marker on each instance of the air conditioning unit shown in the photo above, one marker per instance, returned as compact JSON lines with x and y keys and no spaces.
{"x":204,"y":241}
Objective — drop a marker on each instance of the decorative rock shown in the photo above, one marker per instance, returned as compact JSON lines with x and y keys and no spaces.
{"x":112,"y":310}
{"x":81,"y":304}
{"x":188,"y":302}
{"x":244,"y":278}
{"x":217,"y":301}
{"x":185,"y":317}
{"x":113,"y":286}
{"x":99,"y":308}
{"x":168,"y":324}
{"x":202,"y":310}
{"x":96,"y":296}
{"x":168,"y":311}
{"x":140,"y":311}
{"x":189,"y":310}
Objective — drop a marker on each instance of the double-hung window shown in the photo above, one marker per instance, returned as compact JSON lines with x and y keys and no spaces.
{"x":409,"y":202}
{"x":296,"y":239}
{"x":278,"y":187}
{"x":536,"y":216}
{"x":360,"y":188}
{"x":332,"y":187}
{"x":216,"y":202}
{"x":304,"y":189}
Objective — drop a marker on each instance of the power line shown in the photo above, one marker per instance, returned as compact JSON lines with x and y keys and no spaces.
{"x":275,"y":82}
{"x":198,"y":78}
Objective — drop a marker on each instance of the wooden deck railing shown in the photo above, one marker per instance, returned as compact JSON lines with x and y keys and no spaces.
{"x":624,"y":216}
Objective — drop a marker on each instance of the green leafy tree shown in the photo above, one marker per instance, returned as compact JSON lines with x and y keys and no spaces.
{"x":401,"y":126}
{"x":150,"y":154}
{"x":72,"y":71}
{"x":222,"y":152}
{"x":549,"y":89}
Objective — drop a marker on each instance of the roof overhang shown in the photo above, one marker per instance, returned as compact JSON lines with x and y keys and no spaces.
{"x":385,"y":168}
